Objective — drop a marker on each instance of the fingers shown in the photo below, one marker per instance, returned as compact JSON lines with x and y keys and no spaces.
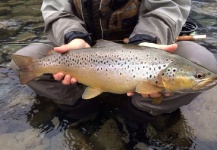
{"x":153,"y":95}
{"x":74,"y":44}
{"x":58,"y":76}
{"x":130,"y":94}
{"x":66,"y":79}
{"x":169,"y":48}
{"x":62,"y":49}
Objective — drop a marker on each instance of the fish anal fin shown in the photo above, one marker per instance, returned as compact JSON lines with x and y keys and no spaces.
{"x":91,"y":93}
{"x":147,"y":88}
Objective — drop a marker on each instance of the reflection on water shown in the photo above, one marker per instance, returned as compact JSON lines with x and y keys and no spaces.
{"x":28,"y":121}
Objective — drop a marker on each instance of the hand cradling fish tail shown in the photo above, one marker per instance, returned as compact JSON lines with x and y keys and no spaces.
{"x":120,"y":69}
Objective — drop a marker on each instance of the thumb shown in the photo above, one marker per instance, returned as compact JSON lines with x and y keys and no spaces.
{"x":169,"y":48}
{"x":61,"y":49}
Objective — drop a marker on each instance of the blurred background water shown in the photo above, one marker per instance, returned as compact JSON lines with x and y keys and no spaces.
{"x":28,"y":121}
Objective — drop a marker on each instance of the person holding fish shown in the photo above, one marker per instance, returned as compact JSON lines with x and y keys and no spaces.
{"x":77,"y":24}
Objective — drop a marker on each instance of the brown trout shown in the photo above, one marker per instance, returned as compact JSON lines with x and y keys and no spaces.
{"x":120,"y":69}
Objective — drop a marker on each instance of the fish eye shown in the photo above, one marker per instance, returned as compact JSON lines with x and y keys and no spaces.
{"x":200,"y":75}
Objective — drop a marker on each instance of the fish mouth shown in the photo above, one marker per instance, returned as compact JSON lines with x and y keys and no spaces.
{"x":205,"y":85}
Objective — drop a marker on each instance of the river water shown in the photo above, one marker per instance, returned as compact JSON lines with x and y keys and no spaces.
{"x":30,"y":122}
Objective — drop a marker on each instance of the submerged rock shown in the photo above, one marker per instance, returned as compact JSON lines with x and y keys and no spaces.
{"x":9,"y":28}
{"x":5,"y":10}
{"x":24,"y":10}
{"x":108,"y":137}
{"x":25,"y":36}
{"x":74,"y":139}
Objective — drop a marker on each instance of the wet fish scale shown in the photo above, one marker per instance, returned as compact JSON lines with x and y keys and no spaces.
{"x":124,"y":68}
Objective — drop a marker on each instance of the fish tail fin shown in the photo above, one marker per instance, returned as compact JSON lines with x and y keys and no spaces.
{"x":26,"y":65}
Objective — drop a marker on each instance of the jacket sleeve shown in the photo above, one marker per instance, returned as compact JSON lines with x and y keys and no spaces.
{"x":160,"y":21}
{"x":61,"y":25}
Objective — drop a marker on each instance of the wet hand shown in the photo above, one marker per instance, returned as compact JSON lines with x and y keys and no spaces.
{"x":74,"y":44}
{"x":169,"y":48}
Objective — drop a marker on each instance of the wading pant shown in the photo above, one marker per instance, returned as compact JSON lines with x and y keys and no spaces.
{"x":69,"y":94}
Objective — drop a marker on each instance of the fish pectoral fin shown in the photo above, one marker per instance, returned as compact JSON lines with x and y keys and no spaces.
{"x":147,"y":88}
{"x":157,"y":100}
{"x":91,"y":93}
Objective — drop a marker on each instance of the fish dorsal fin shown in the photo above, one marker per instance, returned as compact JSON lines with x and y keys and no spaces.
{"x":147,"y":88}
{"x":91,"y":93}
{"x":105,"y":43}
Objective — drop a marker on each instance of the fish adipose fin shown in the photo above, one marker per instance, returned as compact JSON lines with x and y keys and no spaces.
{"x":25,"y":64}
{"x":91,"y":93}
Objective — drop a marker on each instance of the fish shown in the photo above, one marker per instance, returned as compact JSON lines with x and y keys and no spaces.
{"x":121,"y":68}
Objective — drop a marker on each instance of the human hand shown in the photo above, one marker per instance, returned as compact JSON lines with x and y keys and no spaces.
{"x":74,"y":44}
{"x":169,"y":48}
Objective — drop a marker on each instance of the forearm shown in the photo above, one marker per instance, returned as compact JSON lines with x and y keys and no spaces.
{"x":61,"y":25}
{"x":161,"y":20}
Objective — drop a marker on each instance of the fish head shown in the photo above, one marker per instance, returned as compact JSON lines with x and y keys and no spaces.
{"x":187,"y":78}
